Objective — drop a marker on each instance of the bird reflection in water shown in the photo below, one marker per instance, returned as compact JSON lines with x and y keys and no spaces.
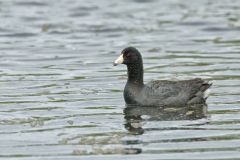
{"x":136,"y":116}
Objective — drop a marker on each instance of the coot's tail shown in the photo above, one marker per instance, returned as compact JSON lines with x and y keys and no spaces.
{"x":203,"y":93}
{"x":206,"y":88}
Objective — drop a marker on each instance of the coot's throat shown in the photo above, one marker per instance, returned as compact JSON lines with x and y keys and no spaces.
{"x":135,"y":73}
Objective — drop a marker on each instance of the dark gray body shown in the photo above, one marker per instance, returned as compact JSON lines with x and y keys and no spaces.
{"x":167,"y":93}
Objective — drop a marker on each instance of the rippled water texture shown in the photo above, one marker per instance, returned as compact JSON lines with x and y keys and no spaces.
{"x":61,"y":98}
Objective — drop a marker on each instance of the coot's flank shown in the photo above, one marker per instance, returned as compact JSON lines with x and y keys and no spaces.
{"x":159,"y":93}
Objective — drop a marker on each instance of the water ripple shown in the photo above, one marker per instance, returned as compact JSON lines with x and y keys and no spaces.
{"x":62,"y":99}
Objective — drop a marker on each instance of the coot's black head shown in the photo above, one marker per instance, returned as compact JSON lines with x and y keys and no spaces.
{"x":129,"y":55}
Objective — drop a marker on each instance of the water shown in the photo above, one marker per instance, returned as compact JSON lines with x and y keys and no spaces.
{"x":61,"y":98}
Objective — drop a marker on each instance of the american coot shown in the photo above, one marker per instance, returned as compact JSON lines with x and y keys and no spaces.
{"x":160,"y":93}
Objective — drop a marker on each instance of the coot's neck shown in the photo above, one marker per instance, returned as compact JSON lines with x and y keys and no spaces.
{"x":135,"y":73}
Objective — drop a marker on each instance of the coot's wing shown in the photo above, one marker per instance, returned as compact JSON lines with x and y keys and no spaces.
{"x":176,"y":93}
{"x":162,"y":89}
